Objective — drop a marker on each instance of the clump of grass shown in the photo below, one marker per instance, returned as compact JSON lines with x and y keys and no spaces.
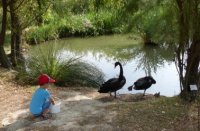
{"x":67,"y":69}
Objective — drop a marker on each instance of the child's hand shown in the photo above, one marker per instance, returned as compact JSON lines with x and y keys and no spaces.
{"x":52,"y":101}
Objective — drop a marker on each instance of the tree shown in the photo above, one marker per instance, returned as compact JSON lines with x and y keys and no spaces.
{"x":3,"y":58}
{"x":16,"y":33}
{"x":188,"y":52}
{"x":170,"y":19}
{"x":22,"y":16}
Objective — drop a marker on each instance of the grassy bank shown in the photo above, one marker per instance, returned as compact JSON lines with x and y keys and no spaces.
{"x":156,"y":114}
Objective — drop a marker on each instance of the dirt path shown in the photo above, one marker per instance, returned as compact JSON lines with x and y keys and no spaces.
{"x":78,"y":112}
{"x":87,"y":110}
{"x":81,"y":109}
{"x":84,"y":109}
{"x":12,"y":97}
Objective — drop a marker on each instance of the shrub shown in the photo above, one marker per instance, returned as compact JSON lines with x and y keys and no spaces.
{"x":90,"y":24}
{"x":61,"y":65}
{"x":41,"y":34}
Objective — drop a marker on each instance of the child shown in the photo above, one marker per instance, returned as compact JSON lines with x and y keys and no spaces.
{"x":41,"y":99}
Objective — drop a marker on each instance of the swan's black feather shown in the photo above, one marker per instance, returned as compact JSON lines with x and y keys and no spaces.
{"x":143,"y":83}
{"x":113,"y":84}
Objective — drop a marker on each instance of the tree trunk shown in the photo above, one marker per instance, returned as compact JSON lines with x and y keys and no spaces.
{"x":13,"y":37}
{"x":15,"y":34}
{"x":188,"y":56}
{"x":193,"y":50}
{"x":3,"y":58}
{"x":192,"y":73}
{"x":182,"y":43}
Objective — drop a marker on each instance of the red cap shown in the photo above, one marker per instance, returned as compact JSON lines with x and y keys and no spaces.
{"x":44,"y":79}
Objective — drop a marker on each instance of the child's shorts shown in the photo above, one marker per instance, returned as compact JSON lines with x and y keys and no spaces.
{"x":44,"y":107}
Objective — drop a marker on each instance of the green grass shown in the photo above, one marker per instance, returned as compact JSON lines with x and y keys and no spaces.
{"x":41,"y":34}
{"x":66,"y":69}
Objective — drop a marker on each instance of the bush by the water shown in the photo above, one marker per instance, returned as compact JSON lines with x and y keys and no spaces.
{"x":90,"y":24}
{"x":55,"y":61}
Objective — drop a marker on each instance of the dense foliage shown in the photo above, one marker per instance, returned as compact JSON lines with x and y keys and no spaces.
{"x":155,"y":21}
{"x":77,"y":18}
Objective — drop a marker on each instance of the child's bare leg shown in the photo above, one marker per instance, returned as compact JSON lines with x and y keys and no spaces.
{"x":45,"y":112}
{"x":46,"y":108}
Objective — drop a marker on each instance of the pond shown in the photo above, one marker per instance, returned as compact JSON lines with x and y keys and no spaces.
{"x":137,"y":60}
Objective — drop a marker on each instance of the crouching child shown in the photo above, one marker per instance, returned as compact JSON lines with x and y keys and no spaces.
{"x":42,"y":99}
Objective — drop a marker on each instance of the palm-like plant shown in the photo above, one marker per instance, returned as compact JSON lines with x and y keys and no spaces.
{"x":67,"y":69}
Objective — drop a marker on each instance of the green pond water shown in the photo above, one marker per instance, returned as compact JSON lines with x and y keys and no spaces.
{"x":137,"y":60}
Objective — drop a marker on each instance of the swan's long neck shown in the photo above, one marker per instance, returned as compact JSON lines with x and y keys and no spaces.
{"x":121,"y":71}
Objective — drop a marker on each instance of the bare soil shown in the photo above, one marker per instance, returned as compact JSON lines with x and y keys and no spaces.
{"x":84,"y":109}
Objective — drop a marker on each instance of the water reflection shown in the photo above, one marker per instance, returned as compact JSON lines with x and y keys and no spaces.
{"x":137,"y":60}
{"x":164,"y":72}
{"x":151,"y":58}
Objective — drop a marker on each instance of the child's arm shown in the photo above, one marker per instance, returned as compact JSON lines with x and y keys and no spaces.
{"x":52,"y":100}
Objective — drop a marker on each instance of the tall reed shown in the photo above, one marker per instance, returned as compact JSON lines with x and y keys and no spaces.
{"x":54,"y":60}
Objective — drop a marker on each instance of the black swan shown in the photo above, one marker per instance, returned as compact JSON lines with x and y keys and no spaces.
{"x":113,"y":84}
{"x":142,"y":83}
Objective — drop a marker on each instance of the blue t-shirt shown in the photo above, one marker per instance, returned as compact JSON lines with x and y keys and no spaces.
{"x":39,"y":98}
